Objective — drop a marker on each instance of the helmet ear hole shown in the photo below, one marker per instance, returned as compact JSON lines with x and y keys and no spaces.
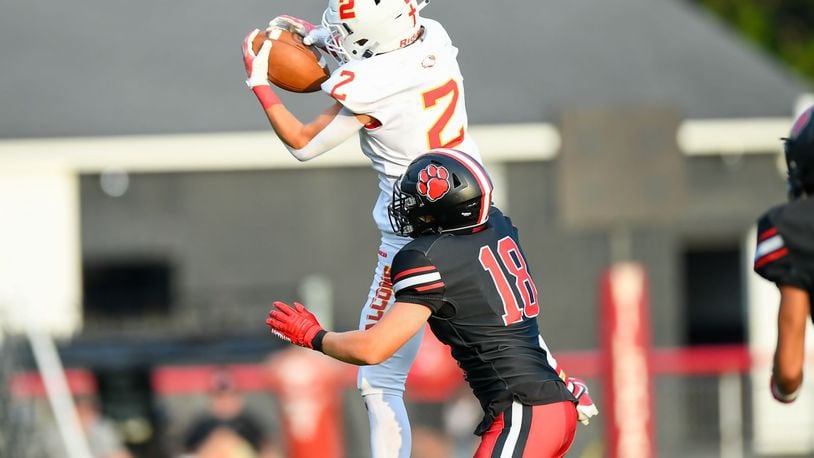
{"x":455,"y":181}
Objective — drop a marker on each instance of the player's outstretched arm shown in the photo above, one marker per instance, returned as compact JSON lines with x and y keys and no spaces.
{"x":304,"y":140}
{"x":371,"y":346}
{"x":296,"y":134}
{"x":787,"y":375}
{"x":376,"y":344}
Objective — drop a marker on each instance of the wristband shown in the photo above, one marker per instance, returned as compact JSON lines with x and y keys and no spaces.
{"x":266,"y":96}
{"x":316,"y":342}
{"x":779,"y":395}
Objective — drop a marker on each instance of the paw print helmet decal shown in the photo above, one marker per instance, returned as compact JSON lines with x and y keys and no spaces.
{"x":433,"y":182}
{"x":443,"y":190}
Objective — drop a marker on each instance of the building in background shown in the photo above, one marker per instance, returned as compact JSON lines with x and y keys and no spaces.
{"x":153,"y":217}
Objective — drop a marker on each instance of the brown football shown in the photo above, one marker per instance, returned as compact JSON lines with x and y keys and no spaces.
{"x":292,"y":65}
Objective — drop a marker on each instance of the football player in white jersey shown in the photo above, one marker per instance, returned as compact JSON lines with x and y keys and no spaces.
{"x":399,"y":88}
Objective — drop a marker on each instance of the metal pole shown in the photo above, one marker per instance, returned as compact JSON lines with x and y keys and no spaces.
{"x":730,"y":415}
{"x":56,"y":387}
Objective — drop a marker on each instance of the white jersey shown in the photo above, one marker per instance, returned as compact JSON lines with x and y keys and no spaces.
{"x":416,"y":94}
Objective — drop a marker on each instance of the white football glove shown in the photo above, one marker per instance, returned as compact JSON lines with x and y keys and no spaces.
{"x":318,"y":37}
{"x":311,"y":35}
{"x":257,"y":65}
{"x":585,"y":405}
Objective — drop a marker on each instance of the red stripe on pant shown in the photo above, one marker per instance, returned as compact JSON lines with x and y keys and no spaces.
{"x":545,"y":431}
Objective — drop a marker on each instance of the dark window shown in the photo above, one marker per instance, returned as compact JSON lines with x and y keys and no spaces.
{"x":128,"y":286}
{"x":713,"y":289}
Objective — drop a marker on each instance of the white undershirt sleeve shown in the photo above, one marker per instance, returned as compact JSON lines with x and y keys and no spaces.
{"x":338,"y":130}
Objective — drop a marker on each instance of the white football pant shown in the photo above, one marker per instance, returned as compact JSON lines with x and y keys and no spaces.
{"x":382,"y":385}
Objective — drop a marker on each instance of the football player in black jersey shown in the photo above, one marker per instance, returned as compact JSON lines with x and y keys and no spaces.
{"x":472,"y":283}
{"x":785,"y":256}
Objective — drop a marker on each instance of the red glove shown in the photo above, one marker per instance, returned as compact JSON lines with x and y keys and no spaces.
{"x":779,"y":395}
{"x":296,"y":325}
{"x":585,"y":405}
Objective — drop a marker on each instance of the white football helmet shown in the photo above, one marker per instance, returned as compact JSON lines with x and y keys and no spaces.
{"x":363,"y":28}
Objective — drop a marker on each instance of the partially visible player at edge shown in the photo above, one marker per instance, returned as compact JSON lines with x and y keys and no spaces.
{"x":466,"y":274}
{"x":398,"y":86}
{"x":785,"y":256}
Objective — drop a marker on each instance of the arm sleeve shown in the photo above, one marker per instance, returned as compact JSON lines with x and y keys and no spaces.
{"x":772,"y":260}
{"x":416,"y":280}
{"x":552,"y":361}
{"x":338,"y":130}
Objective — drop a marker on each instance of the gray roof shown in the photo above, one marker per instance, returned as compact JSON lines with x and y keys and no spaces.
{"x":102,"y":67}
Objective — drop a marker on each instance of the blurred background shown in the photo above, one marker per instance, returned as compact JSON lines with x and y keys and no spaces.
{"x":150,"y":217}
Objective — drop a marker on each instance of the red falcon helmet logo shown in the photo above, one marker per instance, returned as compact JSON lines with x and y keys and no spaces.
{"x":433,"y":182}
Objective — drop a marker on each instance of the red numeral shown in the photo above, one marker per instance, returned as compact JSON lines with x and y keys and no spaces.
{"x":348,"y":77}
{"x":512,"y":259}
{"x":346,"y":9}
{"x":431,"y":98}
{"x":412,"y":12}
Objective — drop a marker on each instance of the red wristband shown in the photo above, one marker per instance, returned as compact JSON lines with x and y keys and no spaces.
{"x":266,"y":96}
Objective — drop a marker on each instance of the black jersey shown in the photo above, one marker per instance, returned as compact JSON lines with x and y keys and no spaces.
{"x":484,"y":305}
{"x":785,"y":245}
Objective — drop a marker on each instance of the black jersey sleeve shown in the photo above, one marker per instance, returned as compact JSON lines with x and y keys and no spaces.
{"x":772,"y":260}
{"x":417,"y":280}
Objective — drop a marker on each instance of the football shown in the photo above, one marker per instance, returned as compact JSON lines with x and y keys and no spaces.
{"x":293,"y":66}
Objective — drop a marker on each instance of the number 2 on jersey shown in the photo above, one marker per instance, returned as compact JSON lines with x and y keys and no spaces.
{"x":512,"y":260}
{"x":431,"y":98}
{"x":347,"y":77}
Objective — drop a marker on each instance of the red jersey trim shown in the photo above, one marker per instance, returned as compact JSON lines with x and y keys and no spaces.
{"x":773,"y":256}
{"x":412,"y":271}
{"x":435,"y":285}
{"x":767,"y":233}
{"x":374,"y":124}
